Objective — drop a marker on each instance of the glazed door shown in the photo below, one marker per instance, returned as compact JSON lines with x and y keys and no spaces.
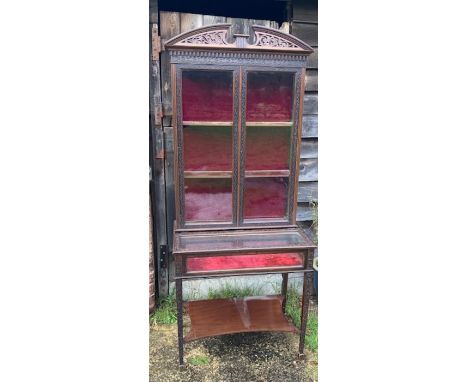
{"x":207,"y":130}
{"x":271,"y":99}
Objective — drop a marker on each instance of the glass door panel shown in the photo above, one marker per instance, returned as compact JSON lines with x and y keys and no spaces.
{"x":268,"y":141}
{"x":265,"y":197}
{"x":207,"y":148}
{"x":207,"y":129}
{"x":269,"y":96}
{"x":268,"y":147}
{"x":207,"y":95}
{"x":208,"y":200}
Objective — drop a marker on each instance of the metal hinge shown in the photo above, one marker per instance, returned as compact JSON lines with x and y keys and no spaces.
{"x":156,"y":43}
{"x":163,"y":256}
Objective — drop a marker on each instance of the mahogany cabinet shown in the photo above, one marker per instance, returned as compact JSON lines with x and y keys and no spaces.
{"x":237,"y":112}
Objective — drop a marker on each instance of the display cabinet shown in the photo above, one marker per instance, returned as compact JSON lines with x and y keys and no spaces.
{"x":237,"y":111}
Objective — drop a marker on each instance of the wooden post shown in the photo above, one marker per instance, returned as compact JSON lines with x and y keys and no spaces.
{"x":180,"y":321}
{"x":284,"y":289}
{"x":306,"y":291}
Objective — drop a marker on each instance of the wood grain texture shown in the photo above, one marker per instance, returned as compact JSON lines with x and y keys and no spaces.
{"x":210,"y":20}
{"x":310,"y":104}
{"x":307,"y":191}
{"x":307,"y":32}
{"x":169,"y":27}
{"x":189,"y":21}
{"x":170,"y":194}
{"x":306,"y":10}
{"x":311,"y":80}
{"x":312,"y":60}
{"x":309,"y":148}
{"x":308,"y":170}
{"x":304,"y":212}
{"x":237,"y":315}
{"x":310,"y":126}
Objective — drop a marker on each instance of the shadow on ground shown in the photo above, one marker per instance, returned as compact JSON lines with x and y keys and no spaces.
{"x":246,"y":357}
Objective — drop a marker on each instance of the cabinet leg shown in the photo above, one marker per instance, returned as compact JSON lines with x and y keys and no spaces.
{"x":306,"y":291}
{"x":180,"y":321}
{"x":284,"y":289}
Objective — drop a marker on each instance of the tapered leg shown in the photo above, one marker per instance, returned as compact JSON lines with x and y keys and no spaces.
{"x":306,"y":291}
{"x":180,"y":321}
{"x":284,"y":289}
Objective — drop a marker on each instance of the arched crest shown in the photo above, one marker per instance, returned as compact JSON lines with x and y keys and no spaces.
{"x":216,"y":37}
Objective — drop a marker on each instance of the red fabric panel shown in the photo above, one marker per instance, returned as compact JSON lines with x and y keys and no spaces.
{"x":267,"y":148}
{"x":218,"y":263}
{"x":265,"y":197}
{"x":207,"y":96}
{"x":207,"y":148}
{"x":269,"y":96}
{"x":208,"y":199}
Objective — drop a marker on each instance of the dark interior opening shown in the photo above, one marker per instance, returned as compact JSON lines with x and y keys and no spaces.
{"x":274,"y":10}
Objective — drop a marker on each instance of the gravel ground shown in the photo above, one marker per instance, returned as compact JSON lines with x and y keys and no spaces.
{"x":246,"y":357}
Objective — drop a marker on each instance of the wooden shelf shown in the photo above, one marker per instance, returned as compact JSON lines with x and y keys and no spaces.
{"x":269,"y":124}
{"x":266,"y":173}
{"x":228,"y":174}
{"x":236,"y":315}
{"x":207,"y":174}
{"x":206,"y":123}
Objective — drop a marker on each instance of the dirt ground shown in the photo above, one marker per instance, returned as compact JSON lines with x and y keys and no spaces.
{"x":246,"y":357}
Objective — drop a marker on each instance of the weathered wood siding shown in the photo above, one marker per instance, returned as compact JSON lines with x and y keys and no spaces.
{"x":304,"y":25}
{"x":157,"y":158}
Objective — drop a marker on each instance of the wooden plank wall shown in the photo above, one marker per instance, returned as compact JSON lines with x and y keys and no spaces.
{"x":157,"y":160}
{"x":304,"y":25}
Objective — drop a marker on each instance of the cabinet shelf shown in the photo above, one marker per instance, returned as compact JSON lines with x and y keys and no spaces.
{"x":206,"y":123}
{"x":228,"y":174}
{"x":267,"y":173}
{"x":269,"y":124}
{"x":207,"y":174}
{"x":236,"y":315}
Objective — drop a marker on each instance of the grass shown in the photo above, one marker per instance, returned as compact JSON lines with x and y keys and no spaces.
{"x":166,"y":313}
{"x":229,"y":290}
{"x":198,"y":360}
{"x":293,"y":310}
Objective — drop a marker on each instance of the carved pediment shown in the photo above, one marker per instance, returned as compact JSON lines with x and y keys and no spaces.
{"x":216,"y":36}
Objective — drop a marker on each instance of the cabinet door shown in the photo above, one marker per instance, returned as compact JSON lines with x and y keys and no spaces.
{"x":269,"y":134}
{"x":207,"y":127}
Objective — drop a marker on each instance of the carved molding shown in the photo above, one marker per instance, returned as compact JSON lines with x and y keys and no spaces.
{"x":216,"y":37}
{"x":271,"y":41}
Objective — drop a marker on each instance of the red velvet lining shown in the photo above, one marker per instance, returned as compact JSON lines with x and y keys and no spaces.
{"x":218,"y":263}
{"x":208,"y":199}
{"x":207,"y":148}
{"x":265,"y":197}
{"x":267,"y":148}
{"x":269,"y":96}
{"x":207,"y":95}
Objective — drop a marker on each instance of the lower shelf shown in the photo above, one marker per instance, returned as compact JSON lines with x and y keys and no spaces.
{"x":236,"y":315}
